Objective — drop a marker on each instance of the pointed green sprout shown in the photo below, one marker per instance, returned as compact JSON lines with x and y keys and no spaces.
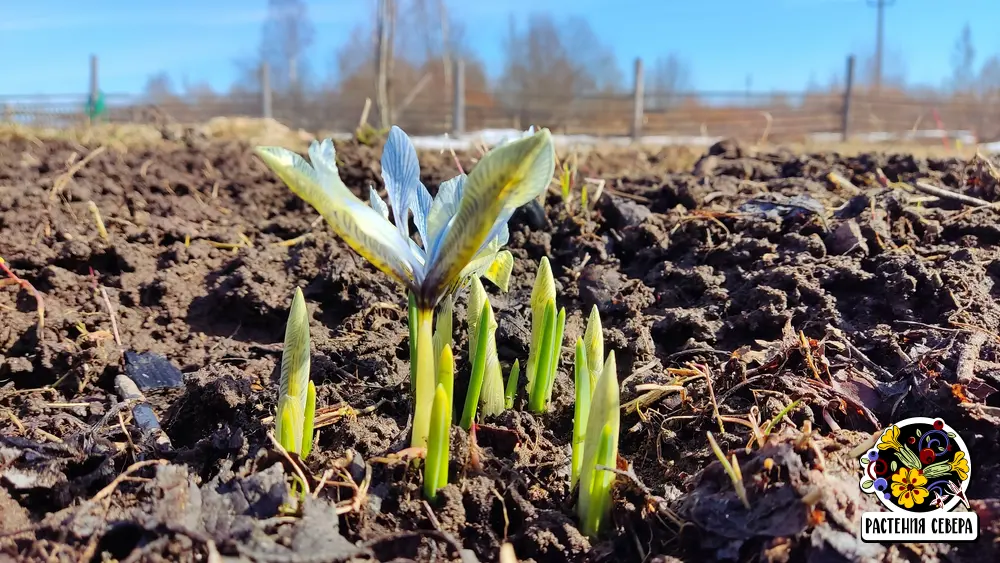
{"x":443,"y":334}
{"x":462,"y":229}
{"x":581,"y":410}
{"x":486,"y":380}
{"x":600,"y":448}
{"x":546,"y":338}
{"x":439,"y":441}
{"x":297,"y":393}
{"x":588,"y":366}
{"x":511,"y":390}
{"x":593,"y":342}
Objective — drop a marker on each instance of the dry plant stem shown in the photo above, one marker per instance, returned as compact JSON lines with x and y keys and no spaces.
{"x":298,"y":470}
{"x":111,"y":313}
{"x":108,"y":490}
{"x":101,"y":230}
{"x":31,"y":289}
{"x":948,"y":194}
{"x":142,"y":413}
{"x":64,"y":178}
{"x":711,"y":396}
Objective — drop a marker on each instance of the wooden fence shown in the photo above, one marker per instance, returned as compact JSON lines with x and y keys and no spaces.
{"x":638,"y":113}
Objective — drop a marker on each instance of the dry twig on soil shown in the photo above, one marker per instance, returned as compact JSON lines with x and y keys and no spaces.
{"x":13,"y":279}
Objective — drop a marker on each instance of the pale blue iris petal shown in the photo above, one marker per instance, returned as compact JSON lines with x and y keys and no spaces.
{"x":401,"y":174}
{"x":421,"y":211}
{"x":323,"y":157}
{"x":442,"y":210}
{"x":377,"y":203}
{"x":500,"y":230}
{"x":504,"y":237}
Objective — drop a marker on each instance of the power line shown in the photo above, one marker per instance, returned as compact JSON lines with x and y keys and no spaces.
{"x":880,"y":6}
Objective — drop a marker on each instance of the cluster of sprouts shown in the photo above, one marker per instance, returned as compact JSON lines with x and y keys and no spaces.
{"x":462,"y":232}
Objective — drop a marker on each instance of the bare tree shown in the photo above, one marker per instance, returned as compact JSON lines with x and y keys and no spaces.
{"x":669,"y":77}
{"x":286,"y":36}
{"x":385,"y":28}
{"x":892,"y":70}
{"x":963,"y":60}
{"x":547,"y":66}
{"x":989,"y":79}
{"x":159,"y":89}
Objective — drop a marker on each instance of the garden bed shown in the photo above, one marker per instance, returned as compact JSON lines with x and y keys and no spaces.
{"x":868,"y":304}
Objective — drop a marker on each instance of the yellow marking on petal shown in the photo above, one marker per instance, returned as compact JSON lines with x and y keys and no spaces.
{"x":505,"y":178}
{"x":361,"y":227}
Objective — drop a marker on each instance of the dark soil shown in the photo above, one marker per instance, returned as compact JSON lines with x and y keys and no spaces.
{"x":867,"y":305}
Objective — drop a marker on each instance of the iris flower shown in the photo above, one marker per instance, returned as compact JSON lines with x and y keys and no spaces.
{"x":462,"y":230}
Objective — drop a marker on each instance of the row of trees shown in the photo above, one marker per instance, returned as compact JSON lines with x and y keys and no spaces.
{"x":401,"y":59}
{"x":413,"y":43}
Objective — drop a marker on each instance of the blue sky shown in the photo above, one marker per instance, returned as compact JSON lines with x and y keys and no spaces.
{"x":782,"y":44}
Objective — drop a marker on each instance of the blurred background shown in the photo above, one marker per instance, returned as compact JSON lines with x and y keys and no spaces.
{"x":663,"y":70}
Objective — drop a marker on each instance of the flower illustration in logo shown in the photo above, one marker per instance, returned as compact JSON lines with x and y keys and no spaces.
{"x":890,"y":439}
{"x":917,"y":465}
{"x":960,"y":465}
{"x":908,"y":487}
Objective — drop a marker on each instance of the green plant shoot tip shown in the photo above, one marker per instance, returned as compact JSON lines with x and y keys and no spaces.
{"x":581,"y":410}
{"x":437,"y":444}
{"x":478,"y":369}
{"x":555,"y":352}
{"x":511,"y":390}
{"x":538,"y":387}
{"x":446,"y":380}
{"x":296,"y":394}
{"x":309,"y":420}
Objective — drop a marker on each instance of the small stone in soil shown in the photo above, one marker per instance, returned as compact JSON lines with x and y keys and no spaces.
{"x":623,"y":213}
{"x":846,"y":238}
{"x":152,"y":371}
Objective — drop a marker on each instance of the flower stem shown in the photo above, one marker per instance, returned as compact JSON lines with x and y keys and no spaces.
{"x":424,"y":379}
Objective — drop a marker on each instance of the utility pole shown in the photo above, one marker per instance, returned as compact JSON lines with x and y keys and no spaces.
{"x":879,"y":5}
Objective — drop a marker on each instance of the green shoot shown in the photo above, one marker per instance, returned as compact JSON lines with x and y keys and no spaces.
{"x":555,"y":351}
{"x":443,"y":327}
{"x":486,"y":380}
{"x":439,"y":440}
{"x":566,"y":177}
{"x":297,"y":394}
{"x":546,"y":338}
{"x":600,"y":447}
{"x":774,"y":421}
{"x":511,"y":390}
{"x":593,"y":341}
{"x":732,"y":469}
{"x":565,"y":183}
{"x":581,"y":409}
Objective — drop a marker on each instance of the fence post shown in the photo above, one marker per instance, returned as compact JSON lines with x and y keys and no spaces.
{"x":266,"y":110}
{"x":638,"y":97}
{"x":95,"y":90}
{"x":458,"y":108}
{"x":845,"y":123}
